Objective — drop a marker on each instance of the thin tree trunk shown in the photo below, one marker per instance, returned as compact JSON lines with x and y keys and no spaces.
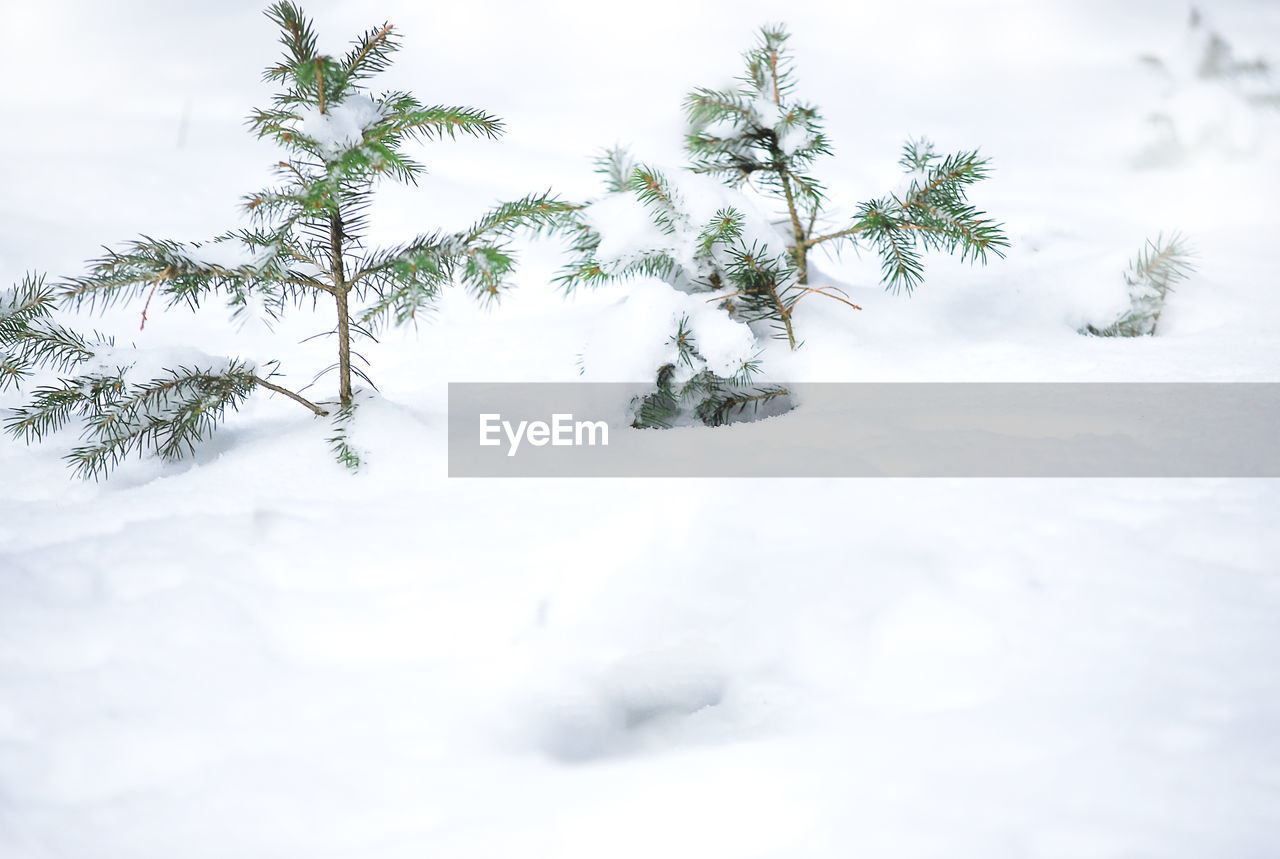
{"x":801,"y":249}
{"x":340,"y":290}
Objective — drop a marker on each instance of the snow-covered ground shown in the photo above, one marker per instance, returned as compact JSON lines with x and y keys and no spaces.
{"x":256,"y":654}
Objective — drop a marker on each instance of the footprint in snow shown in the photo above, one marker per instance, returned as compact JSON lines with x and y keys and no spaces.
{"x":642,"y":700}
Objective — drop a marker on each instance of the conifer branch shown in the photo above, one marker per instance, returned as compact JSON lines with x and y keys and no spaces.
{"x":534,"y":212}
{"x":167,"y":416}
{"x":759,"y":278}
{"x":370,"y":54}
{"x":29,"y":338}
{"x":660,"y":198}
{"x":430,"y":123}
{"x":718,"y":411}
{"x":618,"y":168}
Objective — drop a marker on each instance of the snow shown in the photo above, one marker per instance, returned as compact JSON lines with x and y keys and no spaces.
{"x":794,"y":137}
{"x":766,"y":111}
{"x":629,"y":233}
{"x":632,"y":339}
{"x":230,"y":254}
{"x":255,"y":654}
{"x":341,"y":126}
{"x":625,"y":227}
{"x":258,"y":306}
{"x":145,"y":364}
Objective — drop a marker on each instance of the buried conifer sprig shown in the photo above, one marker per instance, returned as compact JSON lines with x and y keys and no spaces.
{"x":1150,"y":278}
{"x":306,"y":243}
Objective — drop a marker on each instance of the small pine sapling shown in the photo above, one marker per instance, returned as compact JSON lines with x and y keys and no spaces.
{"x":305,"y":244}
{"x":1150,"y":278}
{"x":759,"y":135}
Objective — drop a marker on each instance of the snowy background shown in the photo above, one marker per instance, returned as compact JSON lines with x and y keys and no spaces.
{"x":255,"y":654}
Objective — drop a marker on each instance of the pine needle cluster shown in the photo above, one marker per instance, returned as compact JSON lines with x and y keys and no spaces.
{"x":688,"y":390}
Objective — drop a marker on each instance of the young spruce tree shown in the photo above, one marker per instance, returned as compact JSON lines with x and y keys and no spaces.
{"x":304,"y":245}
{"x":762,"y":135}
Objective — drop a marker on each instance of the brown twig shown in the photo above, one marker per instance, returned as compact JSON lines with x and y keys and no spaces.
{"x":823,"y":290}
{"x":164,"y":274}
{"x":773,"y":70}
{"x":297,"y":398}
